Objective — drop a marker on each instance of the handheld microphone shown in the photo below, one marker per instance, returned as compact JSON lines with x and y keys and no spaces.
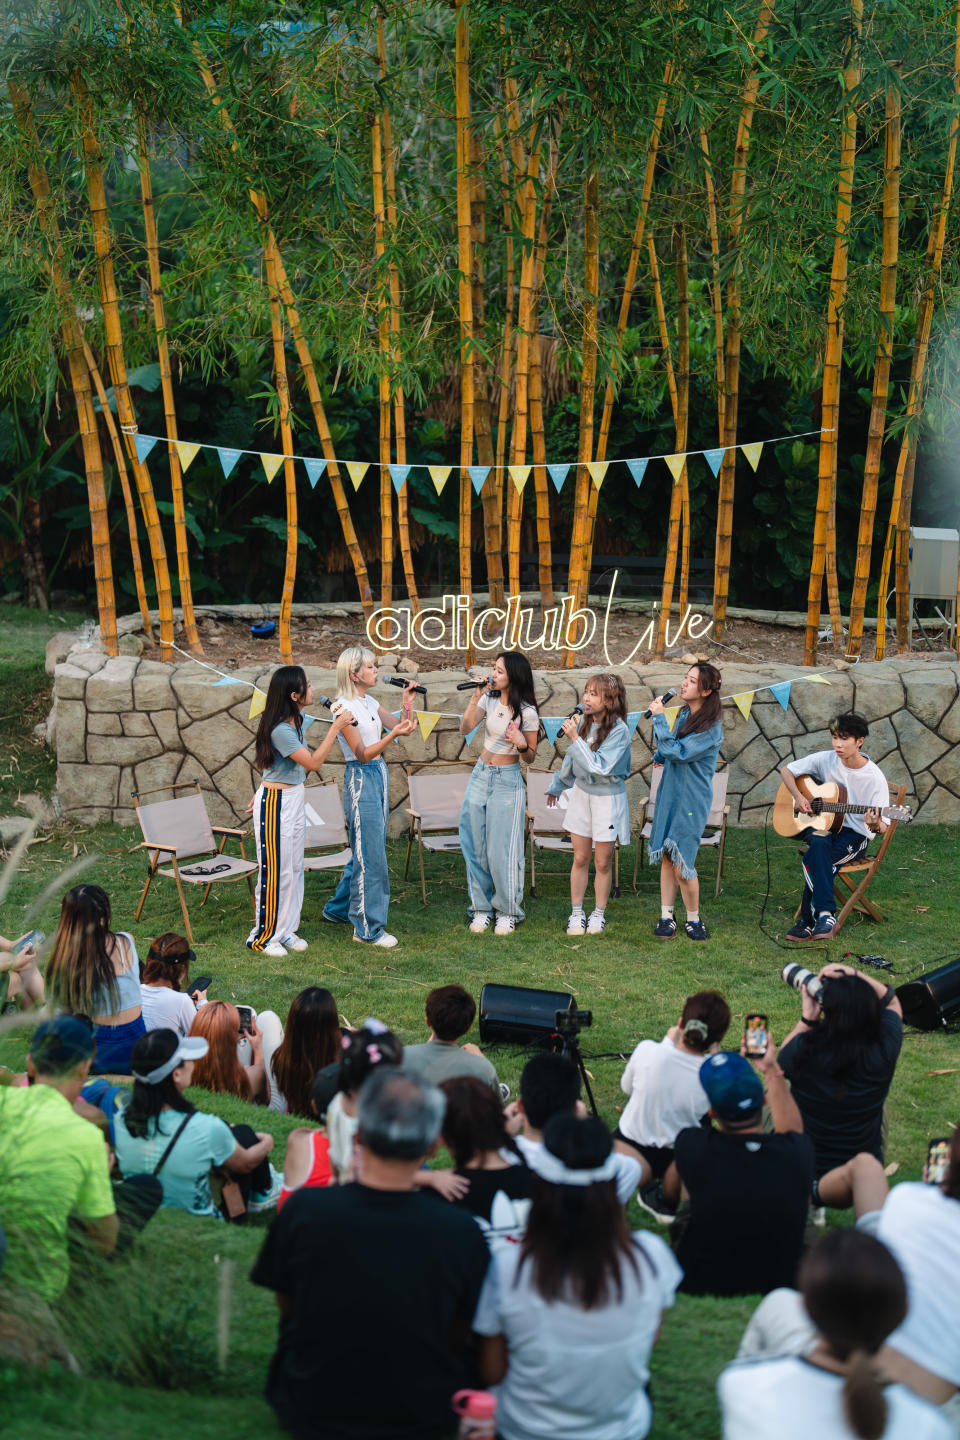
{"x":327,"y":704}
{"x":667,"y":695}
{"x":402,"y":684}
{"x":576,"y":712}
{"x":472,"y":684}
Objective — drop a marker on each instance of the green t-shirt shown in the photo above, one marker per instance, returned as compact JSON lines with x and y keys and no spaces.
{"x":53,"y":1164}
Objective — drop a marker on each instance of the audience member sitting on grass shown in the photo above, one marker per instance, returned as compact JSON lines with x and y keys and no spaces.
{"x":376,"y":1285}
{"x":92,"y":971}
{"x":372,"y":1045}
{"x":20,"y":977}
{"x":748,"y":1191}
{"x":161,"y":1133}
{"x":839,"y":1059}
{"x":475,"y":1132}
{"x":571,"y":1314}
{"x":55,"y":1167}
{"x":550,"y":1085}
{"x":855,"y":1294}
{"x":450,"y":1014}
{"x":236,"y":1061}
{"x":311,"y":1041}
{"x":164,"y":985}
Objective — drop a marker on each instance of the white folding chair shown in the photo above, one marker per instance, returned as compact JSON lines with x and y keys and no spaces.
{"x":326,"y":845}
{"x":714,"y":831}
{"x":436,"y":800}
{"x":180,"y":829}
{"x":545,"y":829}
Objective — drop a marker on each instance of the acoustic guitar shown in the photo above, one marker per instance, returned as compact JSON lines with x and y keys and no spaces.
{"x":829,"y":807}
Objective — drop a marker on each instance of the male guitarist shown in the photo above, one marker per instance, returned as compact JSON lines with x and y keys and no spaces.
{"x":863,"y":781}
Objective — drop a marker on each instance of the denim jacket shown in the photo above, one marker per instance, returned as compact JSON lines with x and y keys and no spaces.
{"x":599,"y":772}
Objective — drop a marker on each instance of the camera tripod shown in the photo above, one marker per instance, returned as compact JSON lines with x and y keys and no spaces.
{"x":567,"y":1042}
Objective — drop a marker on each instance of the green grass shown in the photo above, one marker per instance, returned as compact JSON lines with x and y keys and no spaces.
{"x":26,"y":765}
{"x":147,"y":1349}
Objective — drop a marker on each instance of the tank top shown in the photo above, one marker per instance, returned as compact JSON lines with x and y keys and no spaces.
{"x":128,"y":986}
{"x":320,"y":1172}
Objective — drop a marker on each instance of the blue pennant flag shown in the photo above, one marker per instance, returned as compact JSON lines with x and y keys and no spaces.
{"x":227,"y":680}
{"x":714,"y":459}
{"x":315,"y":469}
{"x":306,"y":721}
{"x":633,"y":718}
{"x":551,"y":725}
{"x":228,"y":459}
{"x":637,"y":469}
{"x":558,"y":473}
{"x":478,"y":473}
{"x":781,"y":692}
{"x":398,"y":474}
{"x":473,"y":733}
{"x":143,"y":444}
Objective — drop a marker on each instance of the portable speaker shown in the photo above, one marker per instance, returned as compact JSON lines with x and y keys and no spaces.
{"x":933,"y":1001}
{"x":519,"y":1015}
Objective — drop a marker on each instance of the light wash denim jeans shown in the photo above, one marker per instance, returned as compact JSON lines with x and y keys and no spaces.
{"x":363,"y":894}
{"x":491,"y":838}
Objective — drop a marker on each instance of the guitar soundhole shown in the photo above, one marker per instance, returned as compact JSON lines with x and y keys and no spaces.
{"x":817,"y":806}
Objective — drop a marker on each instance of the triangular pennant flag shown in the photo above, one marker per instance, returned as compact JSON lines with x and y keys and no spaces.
{"x":398,"y":474}
{"x":558,"y":473}
{"x":426,"y":719}
{"x":356,"y":469}
{"x":473,"y":733}
{"x":637,"y":469}
{"x":187,"y":453}
{"x":271,"y":464}
{"x":551,"y":725}
{"x":596,"y":470}
{"x":306,"y":721}
{"x":228,"y":459}
{"x":257,"y":702}
{"x":744,"y":703}
{"x":781,"y":693}
{"x":817,"y":679}
{"x":633,"y":719}
{"x":398,"y":713}
{"x":714,"y":459}
{"x":753,"y":452}
{"x":675,"y":464}
{"x":143,"y":444}
{"x":227,"y":680}
{"x":314,"y":469}
{"x":671,"y":716}
{"x":439,"y":474}
{"x":519,"y":474}
{"x":478,"y":473}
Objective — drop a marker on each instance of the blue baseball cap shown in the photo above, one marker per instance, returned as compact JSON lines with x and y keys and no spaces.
{"x":732,"y":1085}
{"x":61,"y":1043}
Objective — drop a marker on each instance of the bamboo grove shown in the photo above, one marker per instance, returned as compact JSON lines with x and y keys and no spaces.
{"x":541,"y":233}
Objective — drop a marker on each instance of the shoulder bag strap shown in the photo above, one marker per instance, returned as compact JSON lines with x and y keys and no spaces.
{"x":179,"y":1131}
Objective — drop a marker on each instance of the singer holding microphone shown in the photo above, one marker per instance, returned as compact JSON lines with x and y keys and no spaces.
{"x":688,"y":755}
{"x":363,"y":895}
{"x":492,"y":818}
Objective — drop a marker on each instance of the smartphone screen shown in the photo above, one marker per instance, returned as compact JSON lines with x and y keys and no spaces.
{"x":246,"y":1019}
{"x":755,"y":1033}
{"x":34,"y":938}
{"x":938,"y":1161}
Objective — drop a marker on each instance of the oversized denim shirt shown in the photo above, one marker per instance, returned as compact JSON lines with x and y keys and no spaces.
{"x":685,"y":793}
{"x":599,"y":772}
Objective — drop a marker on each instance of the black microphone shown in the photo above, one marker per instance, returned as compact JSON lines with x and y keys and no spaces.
{"x":402,"y":684}
{"x":327,"y":704}
{"x":472,"y":684}
{"x":667,"y":695}
{"x":575,"y":713}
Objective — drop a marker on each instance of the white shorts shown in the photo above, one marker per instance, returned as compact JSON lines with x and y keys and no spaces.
{"x":602,"y":815}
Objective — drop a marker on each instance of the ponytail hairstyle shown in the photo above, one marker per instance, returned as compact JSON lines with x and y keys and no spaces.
{"x":614,"y":698}
{"x":348,"y":663}
{"x":363,"y":1050}
{"x":854,"y":1292}
{"x":150,"y":1051}
{"x":708,"y":683}
{"x":80,"y":971}
{"x":705,"y":1020}
{"x":519,"y":681}
{"x":285,"y":683}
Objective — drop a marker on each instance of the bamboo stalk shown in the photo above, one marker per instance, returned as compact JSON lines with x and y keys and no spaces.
{"x":506,"y":350}
{"x":881,"y":368}
{"x":465,"y":299}
{"x":489,"y":495}
{"x":526,"y":319}
{"x":383,"y":320}
{"x":833,"y":352}
{"x":286,"y":438}
{"x":681,"y":401}
{"x":716,"y":287}
{"x":579,"y":576}
{"x":541,"y":489}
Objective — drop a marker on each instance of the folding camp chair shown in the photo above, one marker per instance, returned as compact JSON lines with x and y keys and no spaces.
{"x":180,"y":829}
{"x":545,"y":829}
{"x":326,"y":844}
{"x":852,"y":896}
{"x":714,"y":831}
{"x":436,"y":800}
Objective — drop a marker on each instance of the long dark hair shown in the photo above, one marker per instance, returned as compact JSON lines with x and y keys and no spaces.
{"x":80,"y":971}
{"x":519,"y":681}
{"x":614,"y":697}
{"x":473,"y":1123}
{"x":150,"y":1051}
{"x":577,"y":1238}
{"x":311,"y":1040}
{"x":852,"y":1019}
{"x":286,"y":681}
{"x":708,"y":683}
{"x":951,"y":1186}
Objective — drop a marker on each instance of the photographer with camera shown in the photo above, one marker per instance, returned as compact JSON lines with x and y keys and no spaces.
{"x":840,"y":1058}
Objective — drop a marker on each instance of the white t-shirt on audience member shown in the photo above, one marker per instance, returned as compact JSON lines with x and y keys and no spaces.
{"x":165,"y":1009}
{"x":921,"y":1226}
{"x":665,"y":1093}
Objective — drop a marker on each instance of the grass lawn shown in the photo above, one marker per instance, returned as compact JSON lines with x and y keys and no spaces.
{"x":147,"y":1341}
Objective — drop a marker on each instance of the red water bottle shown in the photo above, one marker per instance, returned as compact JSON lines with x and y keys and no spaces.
{"x":478,"y":1414}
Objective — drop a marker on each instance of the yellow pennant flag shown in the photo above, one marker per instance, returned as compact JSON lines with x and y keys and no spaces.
{"x":271,"y":464}
{"x":596,"y":470}
{"x":817,"y":679}
{"x":519,"y":474}
{"x":440,"y":474}
{"x":753,"y":452}
{"x":744,"y":704}
{"x":257,"y":702}
{"x":186,"y":452}
{"x":426,"y":719}
{"x":356,"y":469}
{"x":671,"y":715}
{"x":675,"y":464}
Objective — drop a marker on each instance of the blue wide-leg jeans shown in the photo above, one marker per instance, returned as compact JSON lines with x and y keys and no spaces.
{"x":491,"y":838}
{"x":363,"y":894}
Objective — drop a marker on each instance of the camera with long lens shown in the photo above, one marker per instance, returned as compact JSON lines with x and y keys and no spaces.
{"x":802,"y":979}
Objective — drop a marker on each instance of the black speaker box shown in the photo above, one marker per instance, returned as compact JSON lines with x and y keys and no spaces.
{"x":932,"y":1001}
{"x":520,"y":1016}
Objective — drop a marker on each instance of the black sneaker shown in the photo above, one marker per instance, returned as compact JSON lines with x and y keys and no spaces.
{"x":650,"y":1198}
{"x":696,"y":930}
{"x":824,"y":928}
{"x":800,"y":931}
{"x":665,"y":927}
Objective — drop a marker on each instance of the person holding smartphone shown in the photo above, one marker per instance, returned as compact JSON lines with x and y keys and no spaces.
{"x":18,"y":963}
{"x":240,"y":1044}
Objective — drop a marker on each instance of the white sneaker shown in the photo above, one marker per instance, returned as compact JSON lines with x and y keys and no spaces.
{"x":577,"y":924}
{"x":274,"y":949}
{"x":595,"y":922}
{"x":481,"y":922}
{"x":294,"y":942}
{"x":385,"y":941}
{"x":506,"y":924}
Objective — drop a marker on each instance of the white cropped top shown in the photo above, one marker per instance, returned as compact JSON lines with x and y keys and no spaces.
{"x":498,"y":717}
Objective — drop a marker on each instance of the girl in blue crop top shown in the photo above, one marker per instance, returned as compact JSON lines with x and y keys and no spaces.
{"x":278,"y":809}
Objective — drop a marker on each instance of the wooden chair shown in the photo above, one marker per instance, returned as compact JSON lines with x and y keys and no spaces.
{"x":180,"y":829}
{"x":326,"y":843}
{"x":853,"y":894}
{"x":435,"y":804}
{"x":714,"y":832}
{"x":545,"y":829}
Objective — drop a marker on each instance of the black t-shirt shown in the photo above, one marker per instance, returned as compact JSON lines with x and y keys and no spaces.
{"x":845,"y":1120}
{"x":382,"y":1286}
{"x":516,"y":1182}
{"x":749,"y":1198}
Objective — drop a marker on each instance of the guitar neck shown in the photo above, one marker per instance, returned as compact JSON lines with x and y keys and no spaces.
{"x":832,"y":807}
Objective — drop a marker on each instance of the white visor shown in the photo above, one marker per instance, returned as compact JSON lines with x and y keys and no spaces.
{"x":191,"y":1047}
{"x":548,"y":1167}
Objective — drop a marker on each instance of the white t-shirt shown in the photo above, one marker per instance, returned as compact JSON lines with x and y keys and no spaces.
{"x":802,"y":1402}
{"x":206,"y":1140}
{"x":665,"y":1093}
{"x":628,"y":1169}
{"x":341,"y":1133}
{"x":366,"y":711}
{"x":498,"y":717}
{"x":921,"y":1226}
{"x":865,"y":786}
{"x":165,"y":1009}
{"x":577,"y":1374}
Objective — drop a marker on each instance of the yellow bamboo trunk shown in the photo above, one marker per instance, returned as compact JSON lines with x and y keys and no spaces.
{"x":286,"y":440}
{"x":833,"y":351}
{"x":489,"y":495}
{"x":716,"y":287}
{"x":881,"y":368}
{"x":681,"y":399}
{"x":506,"y":351}
{"x":381,"y":282}
{"x":526,"y":319}
{"x":465,"y":299}
{"x":579,"y":562}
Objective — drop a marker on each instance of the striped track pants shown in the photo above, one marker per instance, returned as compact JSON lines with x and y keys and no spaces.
{"x":279,"y":826}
